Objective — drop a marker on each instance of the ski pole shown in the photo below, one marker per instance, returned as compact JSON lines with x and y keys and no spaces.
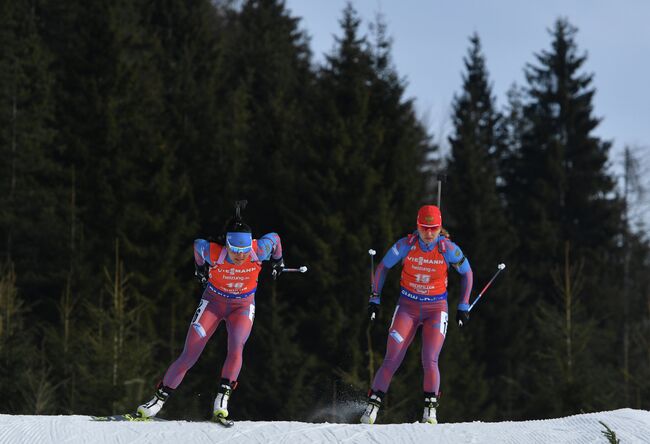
{"x":371,"y":364}
{"x":500,"y":267}
{"x":441,"y":178}
{"x":372,"y":253}
{"x":275,"y":273}
{"x":302,"y":269}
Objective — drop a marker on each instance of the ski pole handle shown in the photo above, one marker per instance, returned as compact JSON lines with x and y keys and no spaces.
{"x":500,"y":267}
{"x":302,"y":269}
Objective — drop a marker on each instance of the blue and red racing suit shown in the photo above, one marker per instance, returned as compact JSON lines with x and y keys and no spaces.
{"x":422,"y":301}
{"x":228,"y":296}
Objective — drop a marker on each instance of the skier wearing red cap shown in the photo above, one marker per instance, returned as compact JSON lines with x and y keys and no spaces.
{"x":426,"y":256}
{"x":228,"y":270}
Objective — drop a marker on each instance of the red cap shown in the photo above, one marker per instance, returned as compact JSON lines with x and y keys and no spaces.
{"x":429,"y":216}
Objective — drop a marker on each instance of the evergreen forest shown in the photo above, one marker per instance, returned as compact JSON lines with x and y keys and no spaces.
{"x":129,"y":128}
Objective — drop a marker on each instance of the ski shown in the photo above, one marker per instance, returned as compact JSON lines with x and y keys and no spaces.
{"x":133,"y":417}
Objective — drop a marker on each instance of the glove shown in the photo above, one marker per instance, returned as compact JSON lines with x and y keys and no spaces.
{"x":373,"y":308}
{"x":462,"y":317}
{"x":202,"y":274}
{"x":278,"y":266}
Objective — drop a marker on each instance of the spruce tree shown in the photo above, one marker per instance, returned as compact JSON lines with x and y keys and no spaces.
{"x":363,"y":172}
{"x":475,"y":216}
{"x":17,"y":348}
{"x":264,"y":79}
{"x":150,"y":198}
{"x":562,"y":186}
{"x":127,"y":183}
{"x":32,"y":223}
{"x":560,"y":191}
{"x":188,"y":57}
{"x":116,"y":363}
{"x":341,"y":184}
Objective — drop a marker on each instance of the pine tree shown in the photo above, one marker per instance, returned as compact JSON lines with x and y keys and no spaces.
{"x":345,"y":156}
{"x":636,"y":284}
{"x":151,"y":194}
{"x":475,"y":215}
{"x":363,"y":171}
{"x":263,"y":82}
{"x":274,"y":362}
{"x":18,"y":353}
{"x":189,"y":59}
{"x":637,"y":375}
{"x":560,"y":191}
{"x":513,"y":310}
{"x":562,"y":185}
{"x":564,"y":380}
{"x":118,"y":354}
{"x":31,"y":222}
{"x":127,"y":181}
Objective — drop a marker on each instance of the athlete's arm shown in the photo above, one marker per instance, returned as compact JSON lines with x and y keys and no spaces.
{"x":457,"y":260}
{"x":396,"y":253}
{"x":269,"y":246}
{"x":201,"y":251}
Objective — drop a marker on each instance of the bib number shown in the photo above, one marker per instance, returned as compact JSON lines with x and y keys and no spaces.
{"x":235,"y":285}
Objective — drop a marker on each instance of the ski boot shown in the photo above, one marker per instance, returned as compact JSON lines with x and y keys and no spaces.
{"x":430,"y":405}
{"x":374,"y":403}
{"x":221,"y":401}
{"x":152,"y":407}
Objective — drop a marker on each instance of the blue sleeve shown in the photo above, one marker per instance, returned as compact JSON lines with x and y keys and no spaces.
{"x":455,"y":258}
{"x":201,"y":251}
{"x":269,"y":246}
{"x":396,"y":253}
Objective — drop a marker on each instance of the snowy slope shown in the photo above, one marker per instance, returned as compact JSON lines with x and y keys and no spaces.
{"x":630,"y":426}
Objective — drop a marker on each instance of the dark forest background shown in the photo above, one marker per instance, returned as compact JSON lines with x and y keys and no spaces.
{"x":128,"y":129}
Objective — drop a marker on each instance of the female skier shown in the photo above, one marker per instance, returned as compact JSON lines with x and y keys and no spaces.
{"x":426,"y":256}
{"x":228,"y":270}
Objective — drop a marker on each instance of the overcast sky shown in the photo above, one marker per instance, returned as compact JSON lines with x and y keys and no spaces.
{"x":430,"y":39}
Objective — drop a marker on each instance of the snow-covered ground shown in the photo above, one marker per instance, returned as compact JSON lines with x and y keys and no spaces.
{"x":630,"y":426}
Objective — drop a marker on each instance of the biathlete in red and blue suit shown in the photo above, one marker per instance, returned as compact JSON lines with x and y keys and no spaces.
{"x":426,"y":256}
{"x":229,"y":272}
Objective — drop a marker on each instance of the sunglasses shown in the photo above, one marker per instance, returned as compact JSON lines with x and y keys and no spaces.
{"x":429,"y":227}
{"x":236,"y":249}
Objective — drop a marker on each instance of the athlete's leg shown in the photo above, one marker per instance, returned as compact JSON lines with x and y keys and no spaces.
{"x":204,"y":323}
{"x":239,"y":324}
{"x":400,"y":336}
{"x":434,"y":330}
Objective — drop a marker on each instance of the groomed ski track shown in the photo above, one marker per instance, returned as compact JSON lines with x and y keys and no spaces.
{"x":630,"y":426}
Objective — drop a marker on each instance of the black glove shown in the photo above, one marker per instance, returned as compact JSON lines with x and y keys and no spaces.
{"x":202,"y":274}
{"x":278,"y":266}
{"x":462,"y":317}
{"x":373,"y":310}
